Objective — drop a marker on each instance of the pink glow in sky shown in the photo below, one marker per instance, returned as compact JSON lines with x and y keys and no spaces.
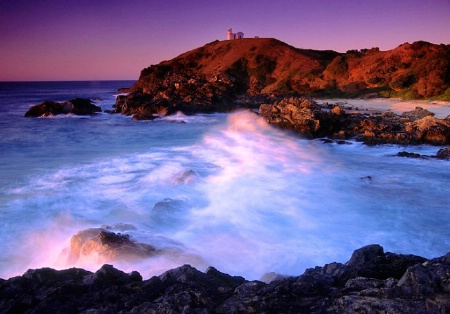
{"x":97,"y":39}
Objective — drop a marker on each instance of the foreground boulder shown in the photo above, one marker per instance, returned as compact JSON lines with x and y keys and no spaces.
{"x":77,"y":106}
{"x":107,"y":246}
{"x":372,"y":281}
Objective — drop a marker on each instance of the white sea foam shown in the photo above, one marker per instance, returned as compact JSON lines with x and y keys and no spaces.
{"x":248,"y":199}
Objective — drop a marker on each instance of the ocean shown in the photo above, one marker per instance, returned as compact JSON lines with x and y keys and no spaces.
{"x":223,"y":190}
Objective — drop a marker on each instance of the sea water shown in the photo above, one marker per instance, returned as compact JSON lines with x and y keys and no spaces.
{"x":222,"y":190}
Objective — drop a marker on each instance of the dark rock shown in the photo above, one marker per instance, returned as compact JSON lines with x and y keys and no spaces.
{"x":47,"y":108}
{"x":313,"y":121}
{"x":169,"y":206}
{"x":410,"y":155}
{"x":299,"y":114}
{"x":108,"y":275}
{"x":372,"y":281}
{"x":143,"y":116}
{"x":365,"y":254}
{"x":371,"y":262}
{"x":342,"y":142}
{"x":387,"y":266}
{"x":123,"y":90}
{"x":187,"y":91}
{"x":169,"y":212}
{"x":77,"y":106}
{"x":418,"y":113}
{"x":225,"y":279}
{"x":444,"y":153}
{"x":363,"y":283}
{"x":418,"y":281}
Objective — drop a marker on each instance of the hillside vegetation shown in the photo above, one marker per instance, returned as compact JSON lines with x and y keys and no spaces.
{"x":268,"y":66}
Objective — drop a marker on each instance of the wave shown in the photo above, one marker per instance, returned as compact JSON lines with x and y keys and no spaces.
{"x":246,"y":198}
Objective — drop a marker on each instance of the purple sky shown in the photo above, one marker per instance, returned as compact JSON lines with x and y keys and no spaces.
{"x":99,"y":39}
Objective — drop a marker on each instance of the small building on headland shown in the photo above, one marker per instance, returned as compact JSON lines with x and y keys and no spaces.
{"x":231,"y":35}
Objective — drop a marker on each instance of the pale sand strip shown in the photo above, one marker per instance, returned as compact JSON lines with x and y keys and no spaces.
{"x":440,"y":108}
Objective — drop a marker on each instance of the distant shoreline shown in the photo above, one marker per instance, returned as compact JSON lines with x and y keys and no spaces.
{"x":440,"y":108}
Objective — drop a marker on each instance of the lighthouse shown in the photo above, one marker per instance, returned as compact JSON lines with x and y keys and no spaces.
{"x":230,"y":34}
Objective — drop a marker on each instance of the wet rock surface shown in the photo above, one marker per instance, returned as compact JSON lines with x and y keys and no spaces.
{"x":76,"y":106}
{"x":444,"y":153}
{"x":307,"y":118}
{"x":372,"y":281}
{"x":107,"y":245}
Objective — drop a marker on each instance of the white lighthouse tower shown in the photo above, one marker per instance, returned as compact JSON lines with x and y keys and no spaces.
{"x":230,"y":34}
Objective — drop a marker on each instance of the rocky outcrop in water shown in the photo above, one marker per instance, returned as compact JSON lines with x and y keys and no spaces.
{"x":372,"y":281}
{"x":107,"y":245}
{"x":311,"y":120}
{"x":444,"y":153}
{"x":303,"y":116}
{"x":77,"y":106}
{"x":187,"y":92}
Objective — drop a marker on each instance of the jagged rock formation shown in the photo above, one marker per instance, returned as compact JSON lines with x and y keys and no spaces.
{"x":213,"y":77}
{"x":107,"y":245}
{"x":103,"y":246}
{"x":77,"y":106}
{"x":372,"y":281}
{"x":311,"y":120}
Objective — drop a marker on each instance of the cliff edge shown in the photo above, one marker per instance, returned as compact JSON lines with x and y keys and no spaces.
{"x":223,"y":75}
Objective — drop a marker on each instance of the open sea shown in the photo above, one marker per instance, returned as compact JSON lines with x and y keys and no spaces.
{"x":222,"y":190}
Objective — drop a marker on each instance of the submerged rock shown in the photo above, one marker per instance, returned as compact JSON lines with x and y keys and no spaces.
{"x":444,"y":153}
{"x":77,"y":106}
{"x":372,"y":281}
{"x":410,"y":155}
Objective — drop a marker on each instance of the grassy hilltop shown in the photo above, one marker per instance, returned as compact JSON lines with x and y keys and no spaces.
{"x":253,"y":66}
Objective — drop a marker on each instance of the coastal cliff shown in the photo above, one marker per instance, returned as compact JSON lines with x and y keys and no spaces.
{"x":263,"y":65}
{"x":223,"y":75}
{"x":271,"y":76}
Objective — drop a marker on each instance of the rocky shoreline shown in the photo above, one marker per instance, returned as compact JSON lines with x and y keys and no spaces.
{"x":251,"y":74}
{"x":301,"y":115}
{"x":308,"y":118}
{"x":372,"y":281}
{"x":264,"y":74}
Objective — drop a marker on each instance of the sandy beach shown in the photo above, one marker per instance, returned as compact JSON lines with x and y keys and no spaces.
{"x":398,"y":106}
